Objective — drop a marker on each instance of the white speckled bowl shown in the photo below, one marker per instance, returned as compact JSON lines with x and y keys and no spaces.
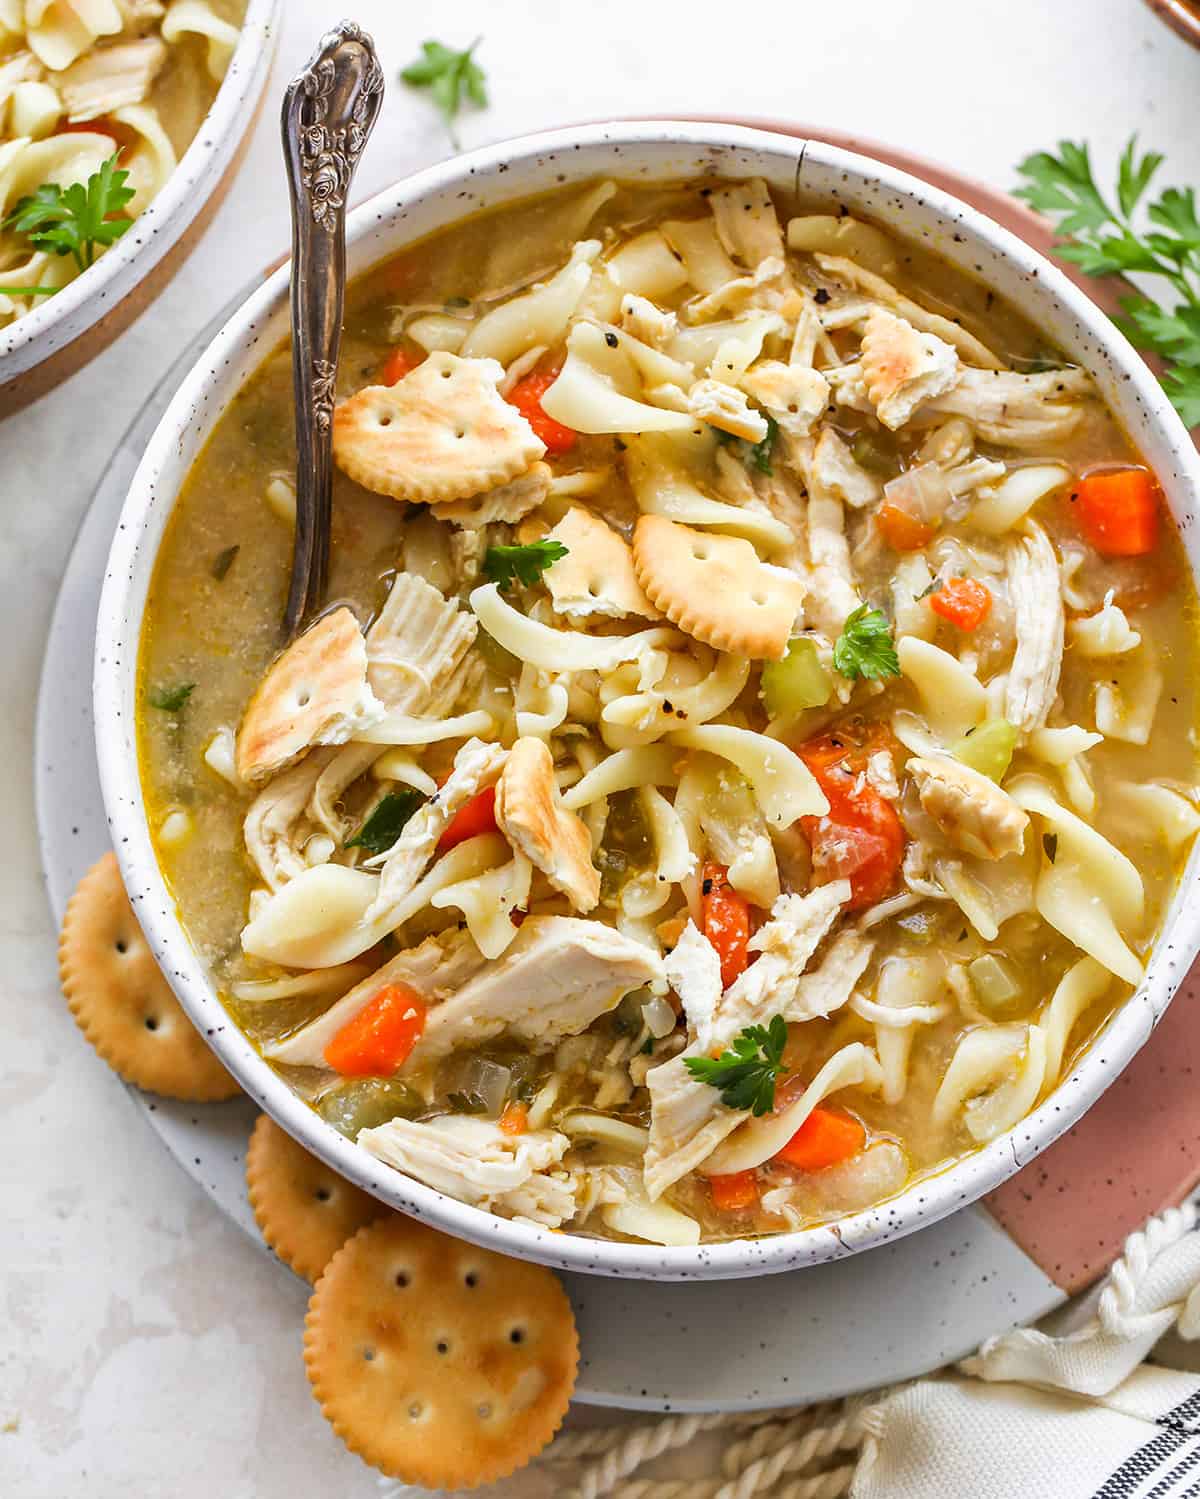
{"x":60,"y":334}
{"x":411,"y":209}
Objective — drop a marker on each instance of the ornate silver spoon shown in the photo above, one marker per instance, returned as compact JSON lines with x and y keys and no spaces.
{"x":328,"y":112}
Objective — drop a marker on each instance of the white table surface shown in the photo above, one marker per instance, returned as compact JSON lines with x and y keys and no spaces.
{"x":146,"y":1348}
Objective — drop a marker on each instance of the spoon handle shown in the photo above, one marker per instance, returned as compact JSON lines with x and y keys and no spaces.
{"x":328,"y":112}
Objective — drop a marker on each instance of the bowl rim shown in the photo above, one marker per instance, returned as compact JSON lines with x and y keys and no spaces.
{"x":926,"y":1200}
{"x":44,"y":330}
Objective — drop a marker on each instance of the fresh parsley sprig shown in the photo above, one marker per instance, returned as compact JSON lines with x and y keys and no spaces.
{"x":171,"y":699}
{"x":507,"y":565}
{"x":387,"y":821}
{"x":756,"y":455}
{"x":745,"y":1073}
{"x":1131,"y":236}
{"x":448,"y":75}
{"x":79,"y":220}
{"x":865,"y":647}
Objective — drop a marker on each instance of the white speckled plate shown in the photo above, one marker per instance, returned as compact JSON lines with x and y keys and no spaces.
{"x":830,"y":1329}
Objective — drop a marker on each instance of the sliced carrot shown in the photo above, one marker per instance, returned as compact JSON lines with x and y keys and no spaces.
{"x":735,"y":1192}
{"x":965,"y":602}
{"x":902,"y":532}
{"x":380,"y":1037}
{"x":526,"y":395}
{"x":478,"y":816}
{"x":398,"y":364}
{"x":824,"y":1139}
{"x":726,"y":919}
{"x":515,"y":1118}
{"x":860,"y":838}
{"x":1118,"y":511}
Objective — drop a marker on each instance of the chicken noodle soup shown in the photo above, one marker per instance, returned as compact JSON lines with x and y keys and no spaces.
{"x":748,"y":749}
{"x":84,"y":83}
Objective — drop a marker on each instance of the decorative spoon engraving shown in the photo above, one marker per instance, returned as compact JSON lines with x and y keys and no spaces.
{"x":328,"y":113}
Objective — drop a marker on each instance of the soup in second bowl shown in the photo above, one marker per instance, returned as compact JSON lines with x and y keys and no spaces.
{"x":748,"y":750}
{"x":87,"y":91}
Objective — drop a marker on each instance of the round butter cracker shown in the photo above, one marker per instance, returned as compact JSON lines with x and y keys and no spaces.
{"x":121,"y":1001}
{"x":715,"y":589}
{"x":304,"y":1210}
{"x":439,"y":1363}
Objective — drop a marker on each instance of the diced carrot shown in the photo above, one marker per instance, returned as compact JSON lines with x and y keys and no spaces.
{"x":860,"y":838}
{"x":735,"y":1192}
{"x":515,"y":1118}
{"x":726,"y":919}
{"x":380,"y":1037}
{"x":824,"y":1139}
{"x":398,"y":364}
{"x":526,"y":395}
{"x":478,"y":816}
{"x":965,"y":602}
{"x":902,"y":532}
{"x":1118,"y":511}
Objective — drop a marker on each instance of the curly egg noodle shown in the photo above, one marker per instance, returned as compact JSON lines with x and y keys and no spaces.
{"x":84,"y":80}
{"x":749,"y":749}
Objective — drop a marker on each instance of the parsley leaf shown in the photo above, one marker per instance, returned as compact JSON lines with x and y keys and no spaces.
{"x":77,"y":220}
{"x":1105,"y":239}
{"x":171,"y":699}
{"x":223,"y":561}
{"x":760,"y":452}
{"x":387,"y":820}
{"x":448,"y":75}
{"x":756,"y":454}
{"x":865,"y":647}
{"x":745,"y":1074}
{"x":521,"y":564}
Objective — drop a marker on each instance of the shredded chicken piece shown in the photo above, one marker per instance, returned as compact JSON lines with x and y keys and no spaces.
{"x":747,"y":224}
{"x":724,"y":407}
{"x":435,"y":969}
{"x":848,"y":387}
{"x":829,"y":986}
{"x":641,"y":318}
{"x":854,"y":276}
{"x":560,"y":974}
{"x":474,"y":1161}
{"x":769,"y":287}
{"x":835,"y":472}
{"x":1035,"y":590}
{"x":416,"y":646}
{"x":693,"y":970}
{"x":106,"y":78}
{"x":1014,"y":410}
{"x":972,"y":811}
{"x":832,"y":594}
{"x":476,"y":766}
{"x":508,"y":503}
{"x":275,"y":828}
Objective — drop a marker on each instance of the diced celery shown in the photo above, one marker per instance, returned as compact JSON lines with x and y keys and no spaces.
{"x":997,"y":985}
{"x":987,"y":749}
{"x":867,"y":453}
{"x":366,"y":1102}
{"x":797,"y":682}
